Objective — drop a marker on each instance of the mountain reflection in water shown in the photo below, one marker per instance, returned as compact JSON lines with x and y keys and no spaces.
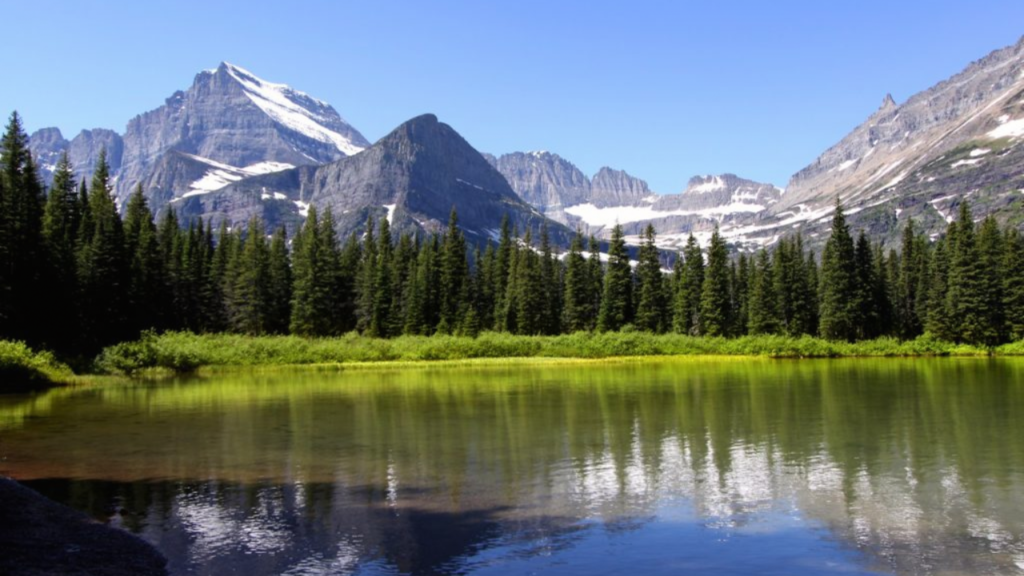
{"x":697,"y":466}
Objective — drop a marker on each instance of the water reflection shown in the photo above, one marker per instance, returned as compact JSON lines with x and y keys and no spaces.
{"x":912,"y":467}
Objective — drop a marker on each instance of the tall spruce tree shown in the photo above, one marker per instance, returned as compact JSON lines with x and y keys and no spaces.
{"x":652,"y":309}
{"x":22,"y":248}
{"x":280,"y":290}
{"x":617,"y":298}
{"x":965,"y":298}
{"x":715,"y":308}
{"x":380,"y":320}
{"x":686,"y":304}
{"x":454,"y":274}
{"x":249,"y":296}
{"x":840,"y":297}
{"x":763,"y":308}
{"x":103,"y":267}
{"x":939,"y":321}
{"x":577,"y":311}
{"x":147,"y":295}
{"x":1013,"y":284}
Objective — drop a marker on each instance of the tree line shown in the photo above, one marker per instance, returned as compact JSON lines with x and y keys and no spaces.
{"x":76,"y":275}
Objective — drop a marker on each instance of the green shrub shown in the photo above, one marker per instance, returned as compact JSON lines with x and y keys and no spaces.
{"x":22,"y":369}
{"x":184,"y":351}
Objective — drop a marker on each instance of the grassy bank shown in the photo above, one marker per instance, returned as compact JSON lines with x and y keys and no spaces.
{"x":23,"y":369}
{"x":183,"y":352}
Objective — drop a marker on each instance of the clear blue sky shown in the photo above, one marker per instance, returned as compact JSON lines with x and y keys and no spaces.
{"x":664,"y":90}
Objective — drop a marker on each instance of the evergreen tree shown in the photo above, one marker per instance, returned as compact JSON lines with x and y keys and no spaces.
{"x":550,"y":285}
{"x":741,"y":298}
{"x":454,"y":273}
{"x":840,"y":297}
{"x":500,"y":274}
{"x":715,"y":309}
{"x":22,"y":247}
{"x":366,"y":277}
{"x":867,"y":316}
{"x":965,"y":298}
{"x":577,"y":310}
{"x":617,"y":298}
{"x":403,"y":267}
{"x":1013,"y":284}
{"x":526,"y":290}
{"x":147,"y":281}
{"x":991,"y":258}
{"x":280,"y":291}
{"x":686,"y":313}
{"x":938,"y":321}
{"x":103,"y":267}
{"x":652,"y":308}
{"x":763,"y":312}
{"x":380,"y":320}
{"x":249,"y":296}
{"x":595,"y":279}
{"x":906,"y":305}
{"x":60,"y":232}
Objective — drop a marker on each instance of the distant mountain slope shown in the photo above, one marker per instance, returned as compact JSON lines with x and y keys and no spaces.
{"x":413,"y":176}
{"x":559,"y":189}
{"x":227,"y":118}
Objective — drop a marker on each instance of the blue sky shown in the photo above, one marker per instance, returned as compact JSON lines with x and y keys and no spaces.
{"x":664,"y":90}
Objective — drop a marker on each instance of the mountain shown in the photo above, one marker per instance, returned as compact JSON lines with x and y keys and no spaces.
{"x":413,"y":176}
{"x":229,"y":119}
{"x":962,"y":139}
{"x":560,"y":190}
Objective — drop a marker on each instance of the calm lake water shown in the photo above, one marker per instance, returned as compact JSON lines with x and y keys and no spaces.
{"x":667,"y":467}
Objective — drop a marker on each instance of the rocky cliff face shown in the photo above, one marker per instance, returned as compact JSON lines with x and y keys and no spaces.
{"x":229,"y":118}
{"x":413,"y":177}
{"x":958,"y":140}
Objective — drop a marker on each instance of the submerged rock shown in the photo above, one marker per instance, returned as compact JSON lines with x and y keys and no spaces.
{"x":41,"y":537}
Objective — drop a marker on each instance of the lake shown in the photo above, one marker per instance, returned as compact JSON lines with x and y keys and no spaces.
{"x":695,"y":466}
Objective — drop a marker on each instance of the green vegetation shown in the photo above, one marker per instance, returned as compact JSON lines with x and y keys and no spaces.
{"x":184,"y":352}
{"x":22,"y":369}
{"x":76,"y":276}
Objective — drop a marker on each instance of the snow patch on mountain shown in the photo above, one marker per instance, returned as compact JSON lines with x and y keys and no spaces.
{"x":609,"y":216}
{"x":220,"y":175}
{"x":710,"y":184}
{"x":279,"y":102}
{"x":1009,"y":129}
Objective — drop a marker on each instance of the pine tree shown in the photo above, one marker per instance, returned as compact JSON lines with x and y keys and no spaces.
{"x":991,"y":258}
{"x":595,"y":281}
{"x":939,"y":320}
{"x":403,"y":267}
{"x":652,"y":309}
{"x":454,"y":273}
{"x":966,"y":298}
{"x":280,"y":291}
{"x":527,"y":291}
{"x":500,"y":274}
{"x":906,"y":305}
{"x":1013,"y":284}
{"x":867,"y":316}
{"x":741,"y":298}
{"x":840,"y":298}
{"x":60,"y":232}
{"x":577,"y":310}
{"x":380,"y":320}
{"x":366,"y":277}
{"x":715,"y":309}
{"x":147,"y":281}
{"x":103,"y":267}
{"x":249,"y":304}
{"x":22,"y":248}
{"x":550,"y":284}
{"x":617,"y":298}
{"x":763,"y":312}
{"x":686,"y":313}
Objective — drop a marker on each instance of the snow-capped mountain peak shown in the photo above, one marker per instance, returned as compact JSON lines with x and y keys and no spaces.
{"x":298,"y":111}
